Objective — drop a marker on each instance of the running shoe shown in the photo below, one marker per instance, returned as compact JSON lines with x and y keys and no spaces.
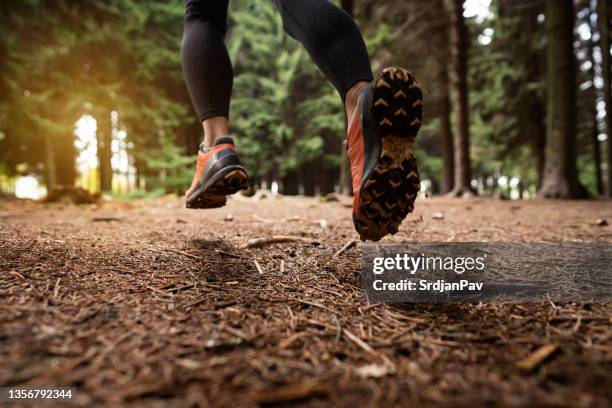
{"x":381,"y":134}
{"x":219,"y":173}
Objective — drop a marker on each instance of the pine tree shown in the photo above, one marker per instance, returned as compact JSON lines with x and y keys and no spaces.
{"x":459,"y":44}
{"x":288,"y":119}
{"x":603,"y":18}
{"x":560,"y":174}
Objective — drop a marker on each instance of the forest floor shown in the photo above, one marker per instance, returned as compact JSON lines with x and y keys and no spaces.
{"x":145,"y":303}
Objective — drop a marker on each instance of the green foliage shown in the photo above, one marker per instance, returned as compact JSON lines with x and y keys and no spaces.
{"x":283,"y":110}
{"x":172,"y":171}
{"x":507,"y":90}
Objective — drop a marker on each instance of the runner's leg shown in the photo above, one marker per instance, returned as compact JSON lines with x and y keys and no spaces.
{"x":206,"y":64}
{"x":331,"y":38}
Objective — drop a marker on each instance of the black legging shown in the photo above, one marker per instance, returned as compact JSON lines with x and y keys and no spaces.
{"x":329,"y":35}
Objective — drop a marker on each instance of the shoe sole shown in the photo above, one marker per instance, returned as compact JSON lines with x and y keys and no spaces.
{"x":388,"y":192}
{"x":228,"y":182}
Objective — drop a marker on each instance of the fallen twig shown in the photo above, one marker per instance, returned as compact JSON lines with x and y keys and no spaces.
{"x":179,"y":288}
{"x":290,"y":392}
{"x":183,"y":253}
{"x":258,"y":266}
{"x":196,"y":303}
{"x":346,"y":247}
{"x":320,"y":306}
{"x":362,"y":344}
{"x":154,"y":289}
{"x":229,"y":254}
{"x":536,"y":358}
{"x":106,"y":219}
{"x":15,"y":273}
{"x":238,"y":333}
{"x":56,"y":289}
{"x":583,"y":318}
{"x":286,"y":343}
{"x":259,"y":242}
{"x":176,"y":252}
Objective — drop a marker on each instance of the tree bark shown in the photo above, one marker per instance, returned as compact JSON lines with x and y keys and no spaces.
{"x":603,"y":16}
{"x":326,"y":178}
{"x":65,"y":159}
{"x":346,"y":183}
{"x":290,"y":184}
{"x":595,"y":124}
{"x":104,"y":136}
{"x":446,"y":135}
{"x":560,"y":179}
{"x":459,"y":44}
{"x":308,"y":177}
{"x":50,"y":172}
{"x":538,"y":141}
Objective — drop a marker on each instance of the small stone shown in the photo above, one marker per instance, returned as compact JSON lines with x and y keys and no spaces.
{"x":437,"y":216}
{"x":602,"y":222}
{"x":228,"y":217}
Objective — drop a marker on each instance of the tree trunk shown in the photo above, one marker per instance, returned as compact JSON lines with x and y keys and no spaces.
{"x":597,"y":156}
{"x":308,"y":179}
{"x":603,"y":14}
{"x":64,"y":156}
{"x":459,"y":43}
{"x":446,"y":135}
{"x":539,"y":147}
{"x":326,"y":179}
{"x":290,"y":183}
{"x":533,"y":114}
{"x":595,"y":124}
{"x":105,"y":135}
{"x":346,"y":183}
{"x":560,"y":179}
{"x":50,"y":171}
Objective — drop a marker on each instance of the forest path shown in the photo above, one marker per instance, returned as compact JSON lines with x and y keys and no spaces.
{"x":147,"y":303}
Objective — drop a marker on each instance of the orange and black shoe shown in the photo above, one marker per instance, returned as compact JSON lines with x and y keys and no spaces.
{"x":219,"y":173}
{"x":381,"y":133}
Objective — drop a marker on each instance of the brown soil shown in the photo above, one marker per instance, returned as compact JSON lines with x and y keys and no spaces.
{"x":149,"y":304}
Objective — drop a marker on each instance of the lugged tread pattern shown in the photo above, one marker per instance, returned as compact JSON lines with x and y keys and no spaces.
{"x":388,"y":193}
{"x":214,"y":195}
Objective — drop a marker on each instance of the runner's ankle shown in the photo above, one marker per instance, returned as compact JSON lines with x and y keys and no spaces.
{"x":214,"y":127}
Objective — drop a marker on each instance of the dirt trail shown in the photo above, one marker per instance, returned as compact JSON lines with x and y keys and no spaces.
{"x":147,"y":303}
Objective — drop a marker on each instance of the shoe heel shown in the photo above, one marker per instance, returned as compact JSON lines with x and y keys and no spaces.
{"x":397,"y":104}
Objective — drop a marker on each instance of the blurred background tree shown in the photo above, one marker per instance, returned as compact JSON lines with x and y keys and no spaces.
{"x":517,"y":96}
